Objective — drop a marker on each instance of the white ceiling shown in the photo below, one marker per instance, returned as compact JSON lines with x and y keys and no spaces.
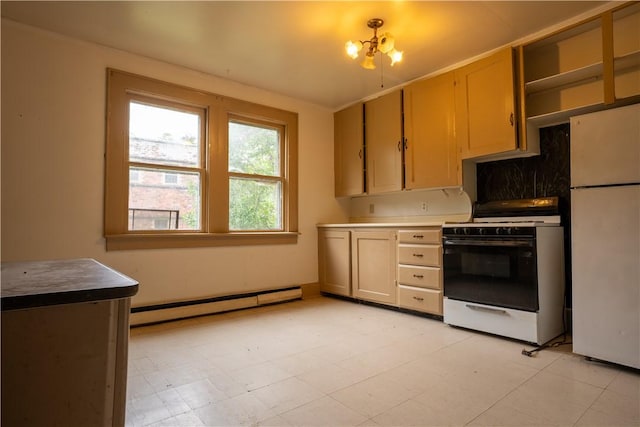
{"x":296,"y":48}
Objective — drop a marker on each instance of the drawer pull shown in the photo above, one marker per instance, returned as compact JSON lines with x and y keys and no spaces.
{"x":418,"y":298}
{"x":418,"y":255}
{"x":418,"y":236}
{"x":418,"y":276}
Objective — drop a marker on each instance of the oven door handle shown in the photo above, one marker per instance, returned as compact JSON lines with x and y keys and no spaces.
{"x":525,"y":243}
{"x":487,"y":309}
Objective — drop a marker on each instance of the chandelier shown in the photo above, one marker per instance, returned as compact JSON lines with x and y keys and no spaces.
{"x":384,"y":44}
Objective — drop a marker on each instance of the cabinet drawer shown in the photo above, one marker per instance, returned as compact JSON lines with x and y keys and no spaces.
{"x":420,"y":236}
{"x":424,"y":277}
{"x":426,"y":300}
{"x":420,"y":255}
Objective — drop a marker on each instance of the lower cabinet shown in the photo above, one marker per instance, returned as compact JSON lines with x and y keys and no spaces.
{"x":395,"y":266}
{"x":334,"y":263}
{"x":373,"y":263}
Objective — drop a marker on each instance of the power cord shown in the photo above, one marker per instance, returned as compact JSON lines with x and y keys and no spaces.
{"x":550,"y":344}
{"x":530,"y":353}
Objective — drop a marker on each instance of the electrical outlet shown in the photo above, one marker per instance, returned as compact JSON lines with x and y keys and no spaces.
{"x":424,"y":207}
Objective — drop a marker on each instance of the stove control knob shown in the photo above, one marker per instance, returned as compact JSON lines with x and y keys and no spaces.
{"x":466,"y":230}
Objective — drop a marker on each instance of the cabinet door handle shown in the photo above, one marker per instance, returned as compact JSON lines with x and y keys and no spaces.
{"x":511,"y":119}
{"x":360,"y":153}
{"x":418,"y":298}
{"x":418,"y":276}
{"x":418,"y":236}
{"x":418,"y":255}
{"x":400,"y":145}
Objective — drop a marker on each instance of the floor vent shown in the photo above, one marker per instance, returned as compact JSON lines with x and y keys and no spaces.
{"x":184,"y":309}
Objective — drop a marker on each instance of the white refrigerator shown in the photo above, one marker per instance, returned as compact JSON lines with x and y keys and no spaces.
{"x":605,"y":234}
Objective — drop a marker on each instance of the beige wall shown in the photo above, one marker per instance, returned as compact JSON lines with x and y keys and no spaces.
{"x":53,"y":125}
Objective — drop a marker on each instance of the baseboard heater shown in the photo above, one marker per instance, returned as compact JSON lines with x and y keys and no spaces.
{"x":184,"y":309}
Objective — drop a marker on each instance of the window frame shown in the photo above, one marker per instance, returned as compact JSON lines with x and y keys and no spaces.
{"x":219,"y":111}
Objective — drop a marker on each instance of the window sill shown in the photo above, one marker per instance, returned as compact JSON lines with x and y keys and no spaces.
{"x":121,"y":242}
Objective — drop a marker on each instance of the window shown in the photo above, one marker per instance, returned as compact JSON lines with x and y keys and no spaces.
{"x":171,"y":178}
{"x":186,"y":168}
{"x":165,"y":141}
{"x":255,"y":176}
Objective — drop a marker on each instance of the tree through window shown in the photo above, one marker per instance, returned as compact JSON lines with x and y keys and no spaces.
{"x":255,"y":177}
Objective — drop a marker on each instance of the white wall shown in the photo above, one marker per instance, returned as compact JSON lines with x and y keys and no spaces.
{"x":451,"y":204}
{"x":53,"y":140}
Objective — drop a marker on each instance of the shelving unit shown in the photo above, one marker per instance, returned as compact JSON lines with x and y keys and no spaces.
{"x":564,"y":72}
{"x":626,"y":51}
{"x":587,"y":67}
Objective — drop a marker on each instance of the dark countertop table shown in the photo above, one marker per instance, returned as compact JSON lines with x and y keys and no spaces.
{"x":34,"y":284}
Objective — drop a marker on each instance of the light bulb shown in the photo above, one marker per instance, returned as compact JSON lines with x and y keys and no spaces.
{"x":395,"y":55}
{"x":353,"y":48}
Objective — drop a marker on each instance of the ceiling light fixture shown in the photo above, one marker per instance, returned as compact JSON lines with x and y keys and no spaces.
{"x":384,"y":44}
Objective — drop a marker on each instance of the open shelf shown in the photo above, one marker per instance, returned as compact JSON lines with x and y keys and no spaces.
{"x":593,"y":71}
{"x":559,"y":117}
{"x":628,"y":61}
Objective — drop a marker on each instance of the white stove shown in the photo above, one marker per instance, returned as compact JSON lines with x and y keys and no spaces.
{"x":504,"y":272}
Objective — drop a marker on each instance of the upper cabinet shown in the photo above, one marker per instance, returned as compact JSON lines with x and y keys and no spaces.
{"x":384,"y":144}
{"x":584,"y":68}
{"x":490,"y":109}
{"x":429,"y":124}
{"x":485,"y":106}
{"x":348,"y":125}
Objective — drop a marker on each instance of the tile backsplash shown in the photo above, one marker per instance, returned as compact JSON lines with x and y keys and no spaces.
{"x":538,"y":176}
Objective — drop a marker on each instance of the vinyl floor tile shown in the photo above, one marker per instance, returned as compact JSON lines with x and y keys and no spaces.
{"x":323,"y":412}
{"x":329,"y":362}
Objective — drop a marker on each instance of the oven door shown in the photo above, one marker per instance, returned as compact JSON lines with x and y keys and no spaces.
{"x":493,"y":270}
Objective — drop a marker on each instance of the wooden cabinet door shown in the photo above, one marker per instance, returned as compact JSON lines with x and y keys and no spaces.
{"x":334,"y":261}
{"x":431,"y":159}
{"x":348,"y":125}
{"x":383,"y":139}
{"x":373,"y":261}
{"x":485,"y":106}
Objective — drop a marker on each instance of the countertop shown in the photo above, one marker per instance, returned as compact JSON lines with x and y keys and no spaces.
{"x":382,"y":224}
{"x":401,"y":221}
{"x":42,"y":283}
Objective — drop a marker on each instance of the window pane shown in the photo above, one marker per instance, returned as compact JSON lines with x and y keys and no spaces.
{"x":163,"y":136}
{"x":155,"y":205}
{"x":254,"y":149}
{"x":255,"y":205}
